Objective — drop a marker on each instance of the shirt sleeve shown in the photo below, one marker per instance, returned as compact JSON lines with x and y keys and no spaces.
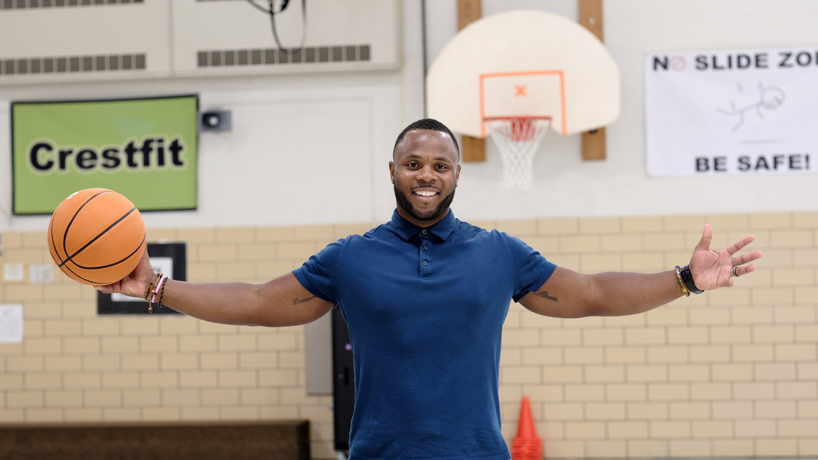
{"x":531,"y":269}
{"x":317,"y":274}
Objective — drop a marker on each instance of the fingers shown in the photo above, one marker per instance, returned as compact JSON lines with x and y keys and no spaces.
{"x":707,"y":237}
{"x":741,"y":271}
{"x":746,"y":258}
{"x":738,"y":245}
{"x":106,"y":289}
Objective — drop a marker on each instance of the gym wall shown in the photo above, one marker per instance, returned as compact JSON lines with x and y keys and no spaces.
{"x":722,"y":374}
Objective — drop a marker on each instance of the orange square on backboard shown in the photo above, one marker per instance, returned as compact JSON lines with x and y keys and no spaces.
{"x":531,"y":93}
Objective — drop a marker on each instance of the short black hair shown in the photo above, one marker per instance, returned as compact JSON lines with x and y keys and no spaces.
{"x":427,"y":123}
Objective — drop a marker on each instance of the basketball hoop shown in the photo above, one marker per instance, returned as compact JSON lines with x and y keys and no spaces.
{"x":517,"y":138}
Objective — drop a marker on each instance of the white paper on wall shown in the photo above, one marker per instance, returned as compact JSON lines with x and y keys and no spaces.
{"x":11,"y":323}
{"x":739,"y":112}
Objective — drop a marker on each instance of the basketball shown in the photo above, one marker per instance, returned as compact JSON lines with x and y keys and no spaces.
{"x":96,"y":236}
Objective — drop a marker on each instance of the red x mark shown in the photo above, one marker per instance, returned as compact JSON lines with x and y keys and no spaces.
{"x":520,"y":90}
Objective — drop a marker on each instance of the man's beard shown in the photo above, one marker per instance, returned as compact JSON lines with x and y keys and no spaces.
{"x":441,"y":208}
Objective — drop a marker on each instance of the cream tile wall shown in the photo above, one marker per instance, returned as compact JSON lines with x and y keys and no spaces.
{"x":723,"y":374}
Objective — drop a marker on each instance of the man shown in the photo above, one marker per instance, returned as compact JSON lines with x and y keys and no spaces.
{"x":425,"y":296}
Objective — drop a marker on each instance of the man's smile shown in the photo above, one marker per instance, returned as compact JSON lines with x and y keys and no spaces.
{"x":426,"y":193}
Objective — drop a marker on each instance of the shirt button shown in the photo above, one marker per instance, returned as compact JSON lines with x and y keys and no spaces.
{"x":424,"y":248}
{"x":423,"y":231}
{"x":425,"y":263}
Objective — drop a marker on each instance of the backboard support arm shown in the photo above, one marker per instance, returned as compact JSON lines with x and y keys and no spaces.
{"x":468,"y":11}
{"x":590,"y":17}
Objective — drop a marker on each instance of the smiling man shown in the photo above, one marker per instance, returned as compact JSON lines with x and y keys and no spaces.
{"x":424,"y":169}
{"x":425,"y":296}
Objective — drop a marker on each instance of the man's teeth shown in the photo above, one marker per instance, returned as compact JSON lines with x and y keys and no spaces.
{"x":425,"y":193}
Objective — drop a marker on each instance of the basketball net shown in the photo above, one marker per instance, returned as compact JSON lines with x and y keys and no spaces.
{"x":517,"y":138}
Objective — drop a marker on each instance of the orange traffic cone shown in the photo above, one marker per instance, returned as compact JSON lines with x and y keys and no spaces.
{"x":526,"y":446}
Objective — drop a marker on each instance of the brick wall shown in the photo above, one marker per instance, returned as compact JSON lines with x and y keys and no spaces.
{"x":727,"y":373}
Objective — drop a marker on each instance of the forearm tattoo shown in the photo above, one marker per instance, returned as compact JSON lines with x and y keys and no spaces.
{"x":544,"y":295}
{"x":298,"y":301}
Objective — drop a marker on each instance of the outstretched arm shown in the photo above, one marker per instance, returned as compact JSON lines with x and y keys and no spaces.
{"x":280,"y":302}
{"x":568,"y":294}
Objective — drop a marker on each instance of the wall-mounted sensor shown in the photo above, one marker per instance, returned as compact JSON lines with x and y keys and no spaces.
{"x":215,"y":121}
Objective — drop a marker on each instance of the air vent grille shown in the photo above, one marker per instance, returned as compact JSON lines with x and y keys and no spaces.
{"x":274,"y":56}
{"x":72,"y":64}
{"x":31,"y":4}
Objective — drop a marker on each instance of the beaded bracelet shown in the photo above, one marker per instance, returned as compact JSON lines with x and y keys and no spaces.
{"x":150,"y":296}
{"x":147,"y":296}
{"x":681,"y":283}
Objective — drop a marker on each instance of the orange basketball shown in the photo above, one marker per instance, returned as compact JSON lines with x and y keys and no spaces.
{"x":96,"y":236}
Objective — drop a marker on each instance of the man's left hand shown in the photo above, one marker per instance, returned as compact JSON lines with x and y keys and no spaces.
{"x":715,"y":269}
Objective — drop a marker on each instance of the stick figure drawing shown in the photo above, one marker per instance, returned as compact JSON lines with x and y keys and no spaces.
{"x":770,"y":98}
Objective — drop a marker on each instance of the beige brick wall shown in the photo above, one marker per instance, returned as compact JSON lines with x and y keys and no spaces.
{"x":75,"y":366}
{"x":724,"y":374}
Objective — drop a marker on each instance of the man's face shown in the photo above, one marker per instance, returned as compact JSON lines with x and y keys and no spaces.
{"x":425,"y":171}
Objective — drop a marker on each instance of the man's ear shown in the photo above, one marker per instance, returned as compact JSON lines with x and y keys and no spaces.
{"x":392,"y":171}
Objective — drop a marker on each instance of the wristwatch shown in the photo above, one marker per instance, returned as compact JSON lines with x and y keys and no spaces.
{"x":688,"y":280}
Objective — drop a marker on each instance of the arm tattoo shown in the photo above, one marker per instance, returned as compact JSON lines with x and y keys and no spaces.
{"x":298,"y":301}
{"x":544,"y":295}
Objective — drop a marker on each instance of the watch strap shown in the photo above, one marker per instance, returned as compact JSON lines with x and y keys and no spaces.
{"x":688,"y":280}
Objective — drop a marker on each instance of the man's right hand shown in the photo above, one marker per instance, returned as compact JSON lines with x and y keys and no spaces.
{"x":135,"y":284}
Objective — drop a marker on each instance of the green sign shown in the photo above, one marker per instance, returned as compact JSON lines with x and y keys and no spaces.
{"x":145,"y":149}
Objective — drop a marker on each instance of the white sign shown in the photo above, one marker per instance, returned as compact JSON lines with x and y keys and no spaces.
{"x":13,"y":272}
{"x":41,"y":273}
{"x":11,"y":323}
{"x":741,"y":112}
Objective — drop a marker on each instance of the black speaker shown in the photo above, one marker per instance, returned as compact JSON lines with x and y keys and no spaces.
{"x":216,"y":121}
{"x":343,"y":382}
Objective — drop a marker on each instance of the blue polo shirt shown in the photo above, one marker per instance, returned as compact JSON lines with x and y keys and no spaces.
{"x":425,"y":311}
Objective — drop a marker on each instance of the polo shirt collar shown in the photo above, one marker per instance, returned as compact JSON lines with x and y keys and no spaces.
{"x":407,"y":230}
